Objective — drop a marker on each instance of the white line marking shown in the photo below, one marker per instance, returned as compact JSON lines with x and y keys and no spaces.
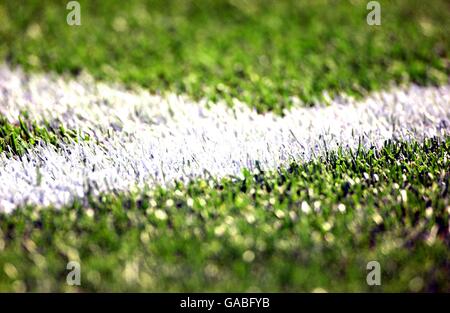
{"x":156,"y":140}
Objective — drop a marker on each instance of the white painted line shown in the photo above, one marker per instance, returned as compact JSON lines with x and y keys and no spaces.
{"x":147,"y":139}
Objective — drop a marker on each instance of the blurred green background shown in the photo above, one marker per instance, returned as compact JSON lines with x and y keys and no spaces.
{"x":261,"y":52}
{"x":251,"y":233}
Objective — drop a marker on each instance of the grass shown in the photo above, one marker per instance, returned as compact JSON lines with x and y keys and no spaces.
{"x":309,"y":226}
{"x":16,"y":139}
{"x":261,"y":52}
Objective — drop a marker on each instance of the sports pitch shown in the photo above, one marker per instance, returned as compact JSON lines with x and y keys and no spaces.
{"x":225,"y":145}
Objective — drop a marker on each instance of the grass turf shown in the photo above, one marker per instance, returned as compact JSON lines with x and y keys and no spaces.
{"x":15,"y":139}
{"x":261,"y":52}
{"x":311,"y":226}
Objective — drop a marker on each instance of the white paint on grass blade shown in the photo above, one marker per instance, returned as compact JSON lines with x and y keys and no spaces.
{"x":148,"y":139}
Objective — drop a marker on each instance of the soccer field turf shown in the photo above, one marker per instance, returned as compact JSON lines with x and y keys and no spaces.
{"x":224,"y":146}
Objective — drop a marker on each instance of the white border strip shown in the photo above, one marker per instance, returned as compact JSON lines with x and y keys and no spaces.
{"x":148,"y":139}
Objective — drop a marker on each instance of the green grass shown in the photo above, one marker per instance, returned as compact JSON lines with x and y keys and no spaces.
{"x":261,"y":52}
{"x":16,"y":139}
{"x":253,"y":233}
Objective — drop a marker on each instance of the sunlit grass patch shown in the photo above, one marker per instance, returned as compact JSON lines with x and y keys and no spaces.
{"x":265,"y":53}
